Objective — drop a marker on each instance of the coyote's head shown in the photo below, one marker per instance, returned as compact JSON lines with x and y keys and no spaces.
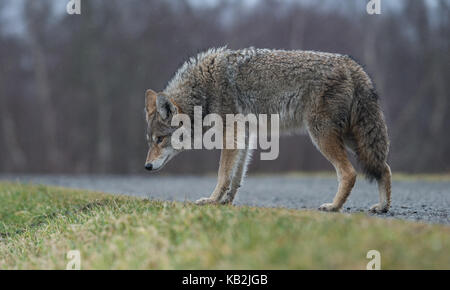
{"x":159,"y":110}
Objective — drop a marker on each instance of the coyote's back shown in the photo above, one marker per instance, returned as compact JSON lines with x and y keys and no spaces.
{"x":322,"y":92}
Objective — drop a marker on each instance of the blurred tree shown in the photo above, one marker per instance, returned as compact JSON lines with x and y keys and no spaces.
{"x":72,"y":87}
{"x":37,"y":15}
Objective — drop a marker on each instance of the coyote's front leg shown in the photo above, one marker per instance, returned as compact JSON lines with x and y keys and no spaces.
{"x":227,"y":160}
{"x":238,"y":176}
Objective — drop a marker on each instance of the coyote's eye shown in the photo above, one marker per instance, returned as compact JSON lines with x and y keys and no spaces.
{"x":159,"y":139}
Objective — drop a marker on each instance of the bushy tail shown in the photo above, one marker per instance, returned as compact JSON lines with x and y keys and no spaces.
{"x":370,"y":132}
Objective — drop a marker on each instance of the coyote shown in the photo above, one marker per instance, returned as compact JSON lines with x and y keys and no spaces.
{"x":327,"y":95}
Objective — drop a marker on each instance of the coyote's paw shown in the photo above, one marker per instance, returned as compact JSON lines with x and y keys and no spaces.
{"x":205,"y":200}
{"x":227,"y":200}
{"x":328,"y":207}
{"x":379,"y":208}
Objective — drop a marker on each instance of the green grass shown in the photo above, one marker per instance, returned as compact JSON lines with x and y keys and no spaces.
{"x":39,"y":225}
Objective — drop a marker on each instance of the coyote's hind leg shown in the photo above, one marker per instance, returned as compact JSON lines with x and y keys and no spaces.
{"x":384,"y":189}
{"x":331,"y":146}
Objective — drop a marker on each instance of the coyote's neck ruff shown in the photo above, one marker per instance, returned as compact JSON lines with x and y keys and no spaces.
{"x":328,"y":95}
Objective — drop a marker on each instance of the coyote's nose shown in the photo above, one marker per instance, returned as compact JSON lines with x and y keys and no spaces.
{"x":148,"y":166}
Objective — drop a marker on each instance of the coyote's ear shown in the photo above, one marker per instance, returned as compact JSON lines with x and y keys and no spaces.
{"x":150,"y":101}
{"x":165,"y":106}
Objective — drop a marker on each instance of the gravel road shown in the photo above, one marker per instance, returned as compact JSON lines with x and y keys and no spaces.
{"x":418,"y":200}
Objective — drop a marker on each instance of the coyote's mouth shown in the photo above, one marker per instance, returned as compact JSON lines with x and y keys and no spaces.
{"x":162,"y":164}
